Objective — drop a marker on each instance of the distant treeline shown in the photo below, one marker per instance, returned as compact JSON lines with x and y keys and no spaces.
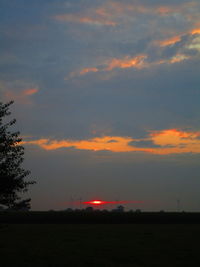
{"x":98,"y":217}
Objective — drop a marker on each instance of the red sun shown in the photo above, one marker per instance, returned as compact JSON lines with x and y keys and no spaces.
{"x":95,"y":202}
{"x":98,"y":202}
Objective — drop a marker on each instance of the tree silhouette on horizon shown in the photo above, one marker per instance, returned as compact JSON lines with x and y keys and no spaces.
{"x":12,"y":175}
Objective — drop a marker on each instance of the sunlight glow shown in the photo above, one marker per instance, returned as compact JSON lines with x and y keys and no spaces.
{"x":95,"y":202}
{"x":102,"y":202}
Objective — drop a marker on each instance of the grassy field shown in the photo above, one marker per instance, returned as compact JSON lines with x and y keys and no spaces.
{"x":99,"y":245}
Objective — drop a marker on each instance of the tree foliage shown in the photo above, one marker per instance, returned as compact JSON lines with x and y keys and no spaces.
{"x":12,"y":175}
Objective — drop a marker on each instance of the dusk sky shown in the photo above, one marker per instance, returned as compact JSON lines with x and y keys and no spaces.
{"x":107,"y":99}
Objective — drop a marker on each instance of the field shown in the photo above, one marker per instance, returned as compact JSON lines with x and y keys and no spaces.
{"x":98,"y":245}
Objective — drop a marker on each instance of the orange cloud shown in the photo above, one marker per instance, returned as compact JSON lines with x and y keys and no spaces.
{"x":170,"y":9}
{"x":86,"y":70}
{"x":178,"y":58}
{"x":114,"y":144}
{"x":170,"y":141}
{"x":118,"y":9}
{"x":137,"y":62}
{"x":97,"y":21}
{"x":113,"y":13}
{"x":78,"y":18}
{"x":177,"y":38}
{"x":175,"y":59}
{"x":176,"y":141}
{"x":127,"y":62}
{"x":30,"y":91}
{"x":22,"y":96}
{"x":195,"y":31}
{"x":164,"y":10}
{"x":171,"y":41}
{"x":110,"y":13}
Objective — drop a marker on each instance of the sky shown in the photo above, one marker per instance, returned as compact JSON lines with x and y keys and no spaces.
{"x":107,"y":97}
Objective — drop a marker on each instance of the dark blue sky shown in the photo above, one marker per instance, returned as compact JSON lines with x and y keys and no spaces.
{"x":106,"y":98}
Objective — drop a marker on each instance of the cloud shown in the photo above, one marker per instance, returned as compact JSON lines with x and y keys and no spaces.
{"x":95,"y":144}
{"x":195,"y":44}
{"x":182,"y":8}
{"x":172,"y":60}
{"x":127,"y":62}
{"x":110,"y":48}
{"x":136,"y":7}
{"x":114,"y":13}
{"x":30,"y":91}
{"x":178,"y":141}
{"x":18,"y":95}
{"x":137,"y":62}
{"x":187,"y":41}
{"x":117,"y":9}
{"x":143,"y":144}
{"x":171,"y":41}
{"x":164,"y":10}
{"x":86,"y":70}
{"x":170,"y":141}
{"x":195,"y":31}
{"x":178,"y":58}
{"x":78,"y":18}
{"x":177,"y":38}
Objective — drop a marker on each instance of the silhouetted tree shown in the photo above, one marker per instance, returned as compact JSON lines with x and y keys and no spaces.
{"x":12,"y":175}
{"x":89,"y":209}
{"x":120,"y":208}
{"x":138,"y":211}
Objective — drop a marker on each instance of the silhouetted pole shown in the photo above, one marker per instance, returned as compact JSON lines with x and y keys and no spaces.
{"x":80,"y":202}
{"x":178,"y":205}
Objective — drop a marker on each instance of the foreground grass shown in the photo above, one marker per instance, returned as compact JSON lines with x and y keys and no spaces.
{"x":99,"y":245}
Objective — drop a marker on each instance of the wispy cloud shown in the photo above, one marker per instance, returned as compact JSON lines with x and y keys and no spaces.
{"x":30,"y":91}
{"x":171,"y":41}
{"x":170,"y":141}
{"x":113,"y":13}
{"x":195,"y":44}
{"x":127,"y":62}
{"x":78,"y":18}
{"x":195,"y":31}
{"x":178,"y":58}
{"x":86,"y":70}
{"x":22,"y":96}
{"x":119,"y":63}
{"x":177,"y":38}
{"x":117,"y":9}
{"x":129,"y":23}
{"x":137,"y":62}
{"x":174,"y":59}
{"x":140,"y":61}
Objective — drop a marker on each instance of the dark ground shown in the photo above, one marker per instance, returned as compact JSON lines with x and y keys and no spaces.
{"x":99,"y":245}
